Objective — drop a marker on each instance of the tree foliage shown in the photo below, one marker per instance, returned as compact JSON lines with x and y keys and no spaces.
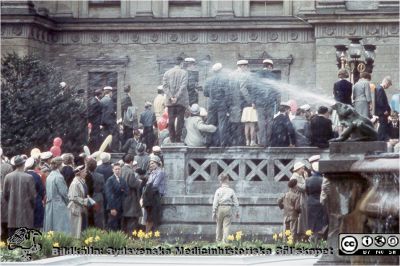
{"x":35,"y":109}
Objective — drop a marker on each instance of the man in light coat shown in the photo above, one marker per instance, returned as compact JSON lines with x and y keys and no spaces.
{"x":175,"y":83}
{"x":78,"y":201}
{"x":19,"y":197}
{"x":195,"y":127}
{"x":131,"y":210}
{"x":362,"y":95}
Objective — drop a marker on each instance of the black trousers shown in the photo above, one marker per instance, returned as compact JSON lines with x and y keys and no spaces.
{"x":236,"y":134}
{"x":220,"y":120}
{"x":114,"y":222}
{"x":383,"y":130}
{"x":95,"y":138}
{"x":176,"y":112}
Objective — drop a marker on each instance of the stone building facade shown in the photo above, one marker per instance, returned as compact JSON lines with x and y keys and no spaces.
{"x":101,"y":42}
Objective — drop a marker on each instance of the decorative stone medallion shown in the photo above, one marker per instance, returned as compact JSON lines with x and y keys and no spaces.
{"x":294,"y":36}
{"x":233,"y":36}
{"x":173,"y":37}
{"x":193,"y":37}
{"x":154,"y":37}
{"x":213,"y":37}
{"x":75,"y":37}
{"x":274,"y":36}
{"x":253,"y":36}
{"x":135,"y":37}
{"x":95,"y":37}
{"x":114,"y":37}
{"x":17,"y":30}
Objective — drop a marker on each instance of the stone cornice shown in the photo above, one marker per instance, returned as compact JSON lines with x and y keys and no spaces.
{"x":149,"y":24}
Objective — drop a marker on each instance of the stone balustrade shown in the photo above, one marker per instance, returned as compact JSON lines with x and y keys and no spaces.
{"x":258,"y":176}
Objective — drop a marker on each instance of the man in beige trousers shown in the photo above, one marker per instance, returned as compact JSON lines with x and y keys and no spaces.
{"x":224,"y":205}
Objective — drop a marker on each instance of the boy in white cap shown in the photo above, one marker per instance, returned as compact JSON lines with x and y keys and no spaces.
{"x":159,"y":103}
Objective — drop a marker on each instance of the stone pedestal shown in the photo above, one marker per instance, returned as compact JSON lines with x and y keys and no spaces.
{"x":349,"y":170}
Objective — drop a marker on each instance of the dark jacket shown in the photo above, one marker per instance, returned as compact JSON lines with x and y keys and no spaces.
{"x":68,"y":173}
{"x":130,"y":146}
{"x":108,"y":117}
{"x":193,"y":80}
{"x":216,"y":89}
{"x":94,"y":111}
{"x":317,"y":218}
{"x":131,"y":206}
{"x":126,"y":101}
{"x":38,"y":213}
{"x":115,"y":192}
{"x":381,"y":102}
{"x":342,"y":90}
{"x":321,"y":131}
{"x":282,"y":132}
{"x":148,"y":118}
{"x":106,"y":170}
{"x":142,"y":161}
{"x":303,"y":132}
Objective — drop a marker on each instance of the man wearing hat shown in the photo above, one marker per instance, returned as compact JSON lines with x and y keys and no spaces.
{"x":126,"y":102}
{"x":299,"y":173}
{"x":45,"y":158}
{"x":193,"y":80}
{"x":30,"y":165}
{"x":142,"y":157}
{"x":94,"y":118}
{"x":321,"y":128}
{"x":267,"y":102}
{"x":159,"y":102}
{"x":238,"y":97}
{"x":382,"y":108}
{"x":148,"y":120}
{"x":196,"y":128}
{"x":175,"y":82}
{"x":131,"y":210}
{"x":317,"y":216}
{"x":105,"y":168}
{"x":157,"y":152}
{"x":19,"y":197}
{"x":283,"y":134}
{"x":153,"y":192}
{"x":109,"y":117}
{"x":217,"y":90}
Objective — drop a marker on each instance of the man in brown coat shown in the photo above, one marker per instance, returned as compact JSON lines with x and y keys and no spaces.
{"x":290,"y":203}
{"x":19,"y":197}
{"x":5,"y":169}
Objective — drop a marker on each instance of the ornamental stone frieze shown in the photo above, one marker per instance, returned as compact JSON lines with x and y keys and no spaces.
{"x":187,"y":37}
{"x":357,"y":30}
{"x":156,"y":37}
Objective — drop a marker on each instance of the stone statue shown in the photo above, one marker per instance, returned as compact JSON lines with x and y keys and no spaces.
{"x":358,"y":127}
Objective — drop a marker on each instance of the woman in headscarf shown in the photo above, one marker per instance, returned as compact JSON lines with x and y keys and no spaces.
{"x":78,"y":201}
{"x":56,"y":213}
{"x":153,"y":192}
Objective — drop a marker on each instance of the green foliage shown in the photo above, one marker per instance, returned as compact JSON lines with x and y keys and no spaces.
{"x":115,"y":239}
{"x":35,"y":109}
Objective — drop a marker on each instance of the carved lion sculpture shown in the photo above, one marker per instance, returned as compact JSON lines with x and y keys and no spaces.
{"x":358,"y":127}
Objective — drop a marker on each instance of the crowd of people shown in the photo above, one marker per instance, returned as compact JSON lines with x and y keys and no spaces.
{"x":243,"y":109}
{"x":67,"y":194}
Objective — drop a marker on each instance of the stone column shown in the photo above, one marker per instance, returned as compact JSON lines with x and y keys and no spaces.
{"x":175,"y":166}
{"x":125,"y":9}
{"x":225,"y":9}
{"x":143,"y":8}
{"x":287,"y":7}
{"x":83,"y":9}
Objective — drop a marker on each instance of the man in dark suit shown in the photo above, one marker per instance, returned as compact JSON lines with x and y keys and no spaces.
{"x":94,"y":117}
{"x":317,"y":217}
{"x":282,"y":131}
{"x":342,"y":89}
{"x":321,"y":128}
{"x":382,"y":108}
{"x":109,"y":117}
{"x":116,"y":189}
